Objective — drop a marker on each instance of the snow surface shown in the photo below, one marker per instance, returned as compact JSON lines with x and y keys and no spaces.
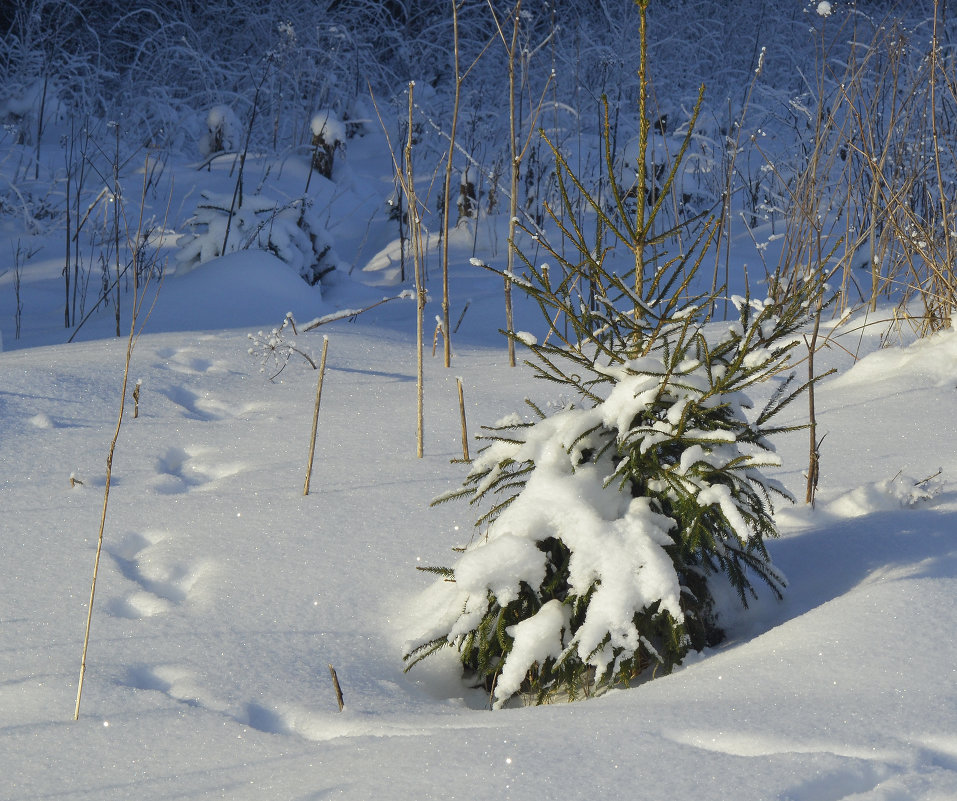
{"x":224,"y":594}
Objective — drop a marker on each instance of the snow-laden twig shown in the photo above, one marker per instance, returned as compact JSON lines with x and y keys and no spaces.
{"x":274,"y":346}
{"x":406,"y":294}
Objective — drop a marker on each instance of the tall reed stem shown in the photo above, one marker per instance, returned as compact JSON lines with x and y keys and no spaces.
{"x":139,"y":295}
{"x":420,"y":291}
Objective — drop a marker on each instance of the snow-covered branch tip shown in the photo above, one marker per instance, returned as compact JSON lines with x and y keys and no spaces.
{"x":351,"y":314}
{"x":519,"y":280}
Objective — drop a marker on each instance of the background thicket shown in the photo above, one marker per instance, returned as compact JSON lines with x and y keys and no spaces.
{"x":821,"y":105}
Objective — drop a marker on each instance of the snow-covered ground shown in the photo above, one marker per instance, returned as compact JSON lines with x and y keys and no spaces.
{"x":224,"y":594}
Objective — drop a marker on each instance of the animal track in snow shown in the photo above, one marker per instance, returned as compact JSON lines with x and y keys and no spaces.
{"x":145,"y":560}
{"x":202,"y":407}
{"x":940,"y":751}
{"x":742,"y":744}
{"x":855,"y":770}
{"x":182,"y":360}
{"x":323,"y":723}
{"x":181,"y":470}
{"x":177,"y":682}
{"x":138,"y":605}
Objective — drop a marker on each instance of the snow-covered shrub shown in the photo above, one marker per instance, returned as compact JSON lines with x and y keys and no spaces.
{"x":609,"y":522}
{"x":328,"y":136}
{"x":223,"y":132}
{"x":292,"y":232}
{"x":25,"y":111}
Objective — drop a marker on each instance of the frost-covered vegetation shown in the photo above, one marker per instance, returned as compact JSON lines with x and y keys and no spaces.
{"x":686,"y":232}
{"x":813,"y":141}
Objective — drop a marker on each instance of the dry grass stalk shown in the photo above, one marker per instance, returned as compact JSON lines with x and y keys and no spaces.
{"x":338,"y":689}
{"x":439,"y":329}
{"x":415,"y":224}
{"x":315,"y":415}
{"x":514,"y":176}
{"x":465,"y":432}
{"x":406,"y":179}
{"x":517,"y":150}
{"x":447,"y":345}
{"x":139,"y":319}
{"x":447,"y":188}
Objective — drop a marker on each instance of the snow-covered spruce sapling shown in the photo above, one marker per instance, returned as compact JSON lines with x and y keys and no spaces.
{"x":293,"y":232}
{"x":609,"y":523}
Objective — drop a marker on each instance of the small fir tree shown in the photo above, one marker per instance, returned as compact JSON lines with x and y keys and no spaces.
{"x":608,"y":523}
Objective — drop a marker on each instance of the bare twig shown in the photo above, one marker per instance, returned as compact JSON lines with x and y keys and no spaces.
{"x":465,"y":433}
{"x":465,"y":308}
{"x":338,"y":689}
{"x":315,"y":416}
